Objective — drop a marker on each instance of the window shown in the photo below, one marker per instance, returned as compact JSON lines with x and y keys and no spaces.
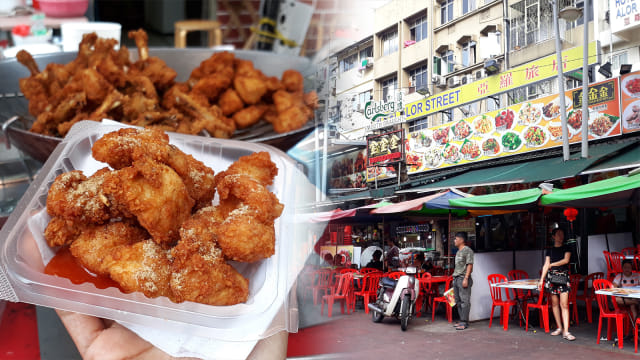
{"x":469,"y":53}
{"x":447,"y":59}
{"x":531,"y":22}
{"x":468,"y":6}
{"x":389,"y":87}
{"x":361,"y":100}
{"x":389,"y":43}
{"x":419,"y":124}
{"x":365,"y":53}
{"x":348,"y":63}
{"x":618,"y":59}
{"x":446,"y":11}
{"x":419,"y":29}
{"x":419,"y":78}
{"x":493,"y":103}
{"x":437,"y":65}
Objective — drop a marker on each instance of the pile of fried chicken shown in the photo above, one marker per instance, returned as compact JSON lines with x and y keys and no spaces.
{"x":149,"y":222}
{"x":221,"y":95}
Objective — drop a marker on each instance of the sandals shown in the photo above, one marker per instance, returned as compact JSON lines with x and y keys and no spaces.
{"x":568,"y":336}
{"x":557,"y":332}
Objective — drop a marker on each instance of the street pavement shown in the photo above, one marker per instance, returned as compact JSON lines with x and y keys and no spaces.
{"x":355,"y":336}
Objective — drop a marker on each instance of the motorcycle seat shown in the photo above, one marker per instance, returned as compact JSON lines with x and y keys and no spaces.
{"x":388,"y":282}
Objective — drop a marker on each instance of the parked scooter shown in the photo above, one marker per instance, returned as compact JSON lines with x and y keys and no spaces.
{"x":396,"y":298}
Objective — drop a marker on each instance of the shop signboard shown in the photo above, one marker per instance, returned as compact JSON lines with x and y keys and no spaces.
{"x":630,"y":95}
{"x":383,"y":113}
{"x":386,"y":148}
{"x":348,"y":171}
{"x":519,"y":76}
{"x":521,"y":128}
{"x":624,"y":14}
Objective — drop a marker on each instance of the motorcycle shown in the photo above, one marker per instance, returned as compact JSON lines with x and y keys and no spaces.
{"x":396,"y":298}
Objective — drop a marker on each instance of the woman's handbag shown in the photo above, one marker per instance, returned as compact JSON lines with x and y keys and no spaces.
{"x":558,"y":277}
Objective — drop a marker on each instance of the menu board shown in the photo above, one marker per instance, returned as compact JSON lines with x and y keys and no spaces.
{"x":530,"y":126}
{"x":348,"y":171}
{"x":630,"y":95}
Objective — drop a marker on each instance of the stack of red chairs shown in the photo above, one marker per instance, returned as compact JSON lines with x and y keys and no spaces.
{"x":573,"y":293}
{"x":369,"y":289}
{"x":343,"y":293}
{"x":321,"y":282}
{"x":614,"y":263}
{"x":425,"y":292}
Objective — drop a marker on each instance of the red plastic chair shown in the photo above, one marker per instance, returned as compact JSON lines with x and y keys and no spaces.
{"x":636,"y":262}
{"x":367,"y":270}
{"x":322,"y":283}
{"x":635,"y":336}
{"x":437,"y":271}
{"x":344,"y":290}
{"x":629,"y":251}
{"x":543,"y":305}
{"x":605,"y":312}
{"x":425,"y":292}
{"x":574,"y":280}
{"x":524,"y":295}
{"x":443,"y":299}
{"x":369,"y":289}
{"x":498,"y":300}
{"x":395,"y":275}
{"x":344,"y":271}
{"x":588,"y":296}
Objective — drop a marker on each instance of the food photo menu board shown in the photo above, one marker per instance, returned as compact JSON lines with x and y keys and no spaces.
{"x":525,"y":127}
{"x":630,"y":95}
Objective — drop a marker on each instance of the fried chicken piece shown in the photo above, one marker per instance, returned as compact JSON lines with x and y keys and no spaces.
{"x":199,"y":272}
{"x":249,"y":116}
{"x":96,"y":243}
{"x":236,"y":191}
{"x":121,"y":148}
{"x":210,"y":119}
{"x":74,"y":196}
{"x":211,"y":86}
{"x":143,"y":266}
{"x":293,"y":81}
{"x":155,"y":195}
{"x":289,"y":120}
{"x":219,"y":62}
{"x":230,"y":102}
{"x":61,"y":231}
{"x":258,"y":166}
{"x":244,"y":239}
{"x":249,"y":88}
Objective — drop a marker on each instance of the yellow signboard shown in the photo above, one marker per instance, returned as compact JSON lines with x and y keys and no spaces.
{"x":534,"y":71}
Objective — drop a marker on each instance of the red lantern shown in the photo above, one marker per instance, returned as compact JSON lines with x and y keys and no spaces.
{"x":570,"y":214}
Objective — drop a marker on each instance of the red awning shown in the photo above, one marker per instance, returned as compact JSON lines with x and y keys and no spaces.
{"x":332,"y":215}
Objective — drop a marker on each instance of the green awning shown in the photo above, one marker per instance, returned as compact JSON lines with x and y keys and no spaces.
{"x":615,"y":192}
{"x":531,"y":171}
{"x":514,"y":200}
{"x":630,"y":158}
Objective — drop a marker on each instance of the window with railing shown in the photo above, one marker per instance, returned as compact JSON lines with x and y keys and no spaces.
{"x":419,"y":124}
{"x":531,"y":22}
{"x":366,"y":53}
{"x":446,"y":11}
{"x":389,"y":42}
{"x":618,"y":59}
{"x":419,"y":29}
{"x":419,"y":78}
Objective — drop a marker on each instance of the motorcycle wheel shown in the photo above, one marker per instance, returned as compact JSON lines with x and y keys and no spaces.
{"x":376,"y":316}
{"x":405,"y":312}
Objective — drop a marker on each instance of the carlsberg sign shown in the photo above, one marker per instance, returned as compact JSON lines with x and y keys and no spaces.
{"x":374,"y":109}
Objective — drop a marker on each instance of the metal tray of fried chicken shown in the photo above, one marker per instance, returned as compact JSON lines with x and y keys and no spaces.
{"x":14,"y":107}
{"x":269,"y":307}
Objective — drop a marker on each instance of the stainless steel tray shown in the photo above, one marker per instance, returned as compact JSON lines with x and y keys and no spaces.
{"x":17,"y":120}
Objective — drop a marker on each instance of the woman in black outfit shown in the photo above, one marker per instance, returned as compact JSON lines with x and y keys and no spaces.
{"x":557,"y":261}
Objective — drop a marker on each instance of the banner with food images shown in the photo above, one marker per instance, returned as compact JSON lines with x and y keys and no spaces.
{"x":529,"y":126}
{"x":348,"y":171}
{"x":381,"y":172}
{"x":630,"y":95}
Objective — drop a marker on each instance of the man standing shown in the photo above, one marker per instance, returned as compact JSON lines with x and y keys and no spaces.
{"x":462,"y":281}
{"x":393,"y":255}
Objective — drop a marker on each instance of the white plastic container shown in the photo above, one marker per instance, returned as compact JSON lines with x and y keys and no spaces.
{"x":23,"y":253}
{"x":72,"y":32}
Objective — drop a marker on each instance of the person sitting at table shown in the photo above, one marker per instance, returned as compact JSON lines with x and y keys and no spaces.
{"x":423,"y":264}
{"x":627,"y":278}
{"x":375,"y":262}
{"x":556,"y":260}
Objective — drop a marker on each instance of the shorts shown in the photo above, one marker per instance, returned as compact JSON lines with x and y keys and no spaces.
{"x":555,"y":289}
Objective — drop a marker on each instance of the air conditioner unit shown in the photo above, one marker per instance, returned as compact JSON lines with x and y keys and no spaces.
{"x":480,"y":74}
{"x":439,"y":80}
{"x":454,"y":81}
{"x":369,"y":61}
{"x":467,"y":79}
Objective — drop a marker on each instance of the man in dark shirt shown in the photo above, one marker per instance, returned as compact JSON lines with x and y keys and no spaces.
{"x":375,"y":263}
